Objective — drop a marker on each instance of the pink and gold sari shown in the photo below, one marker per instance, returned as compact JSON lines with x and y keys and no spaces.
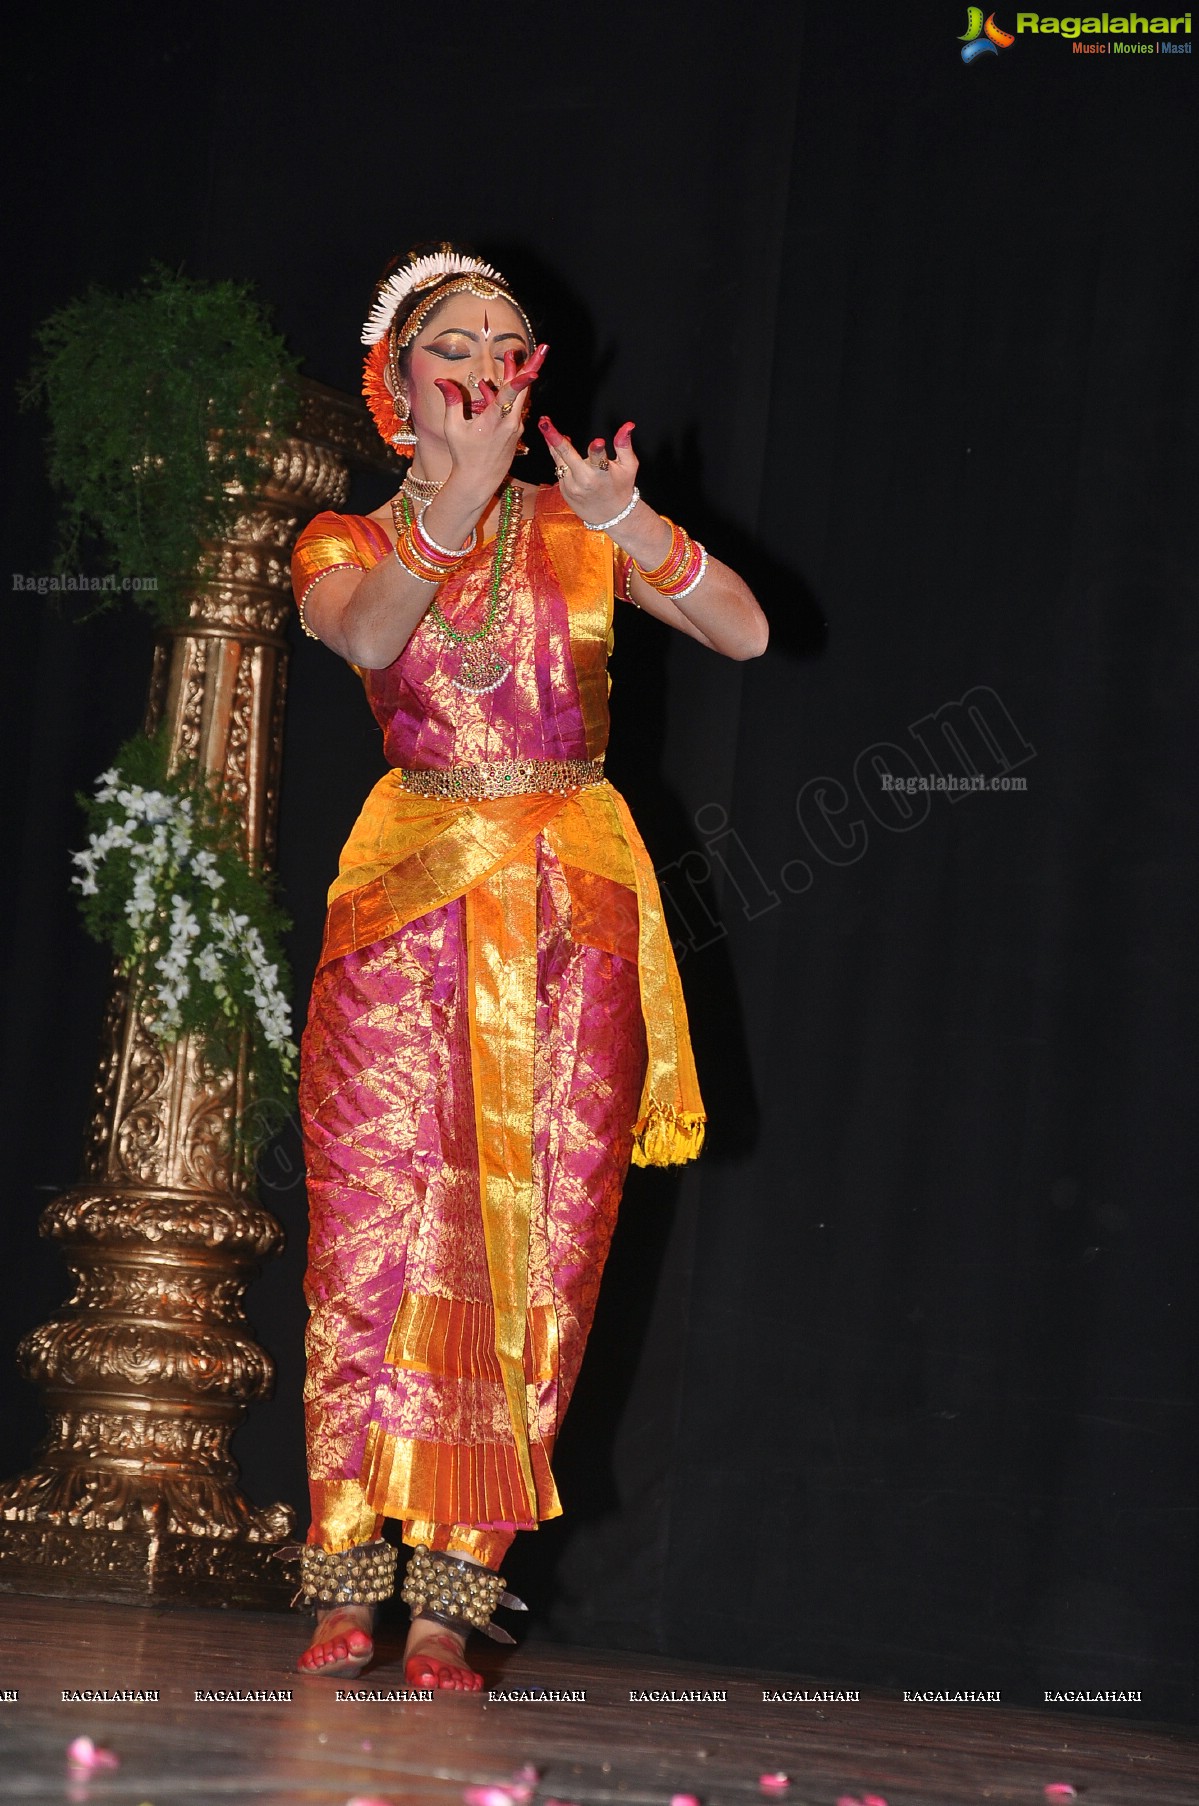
{"x":496,"y":1028}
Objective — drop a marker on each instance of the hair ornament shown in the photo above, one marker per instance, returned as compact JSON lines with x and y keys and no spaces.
{"x":422,"y":272}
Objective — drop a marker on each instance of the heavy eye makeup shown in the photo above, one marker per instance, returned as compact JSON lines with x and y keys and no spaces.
{"x":454,"y":350}
{"x":451,"y":351}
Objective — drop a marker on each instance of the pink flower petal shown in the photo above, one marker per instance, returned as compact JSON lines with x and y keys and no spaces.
{"x":873,"y":1799}
{"x":83,"y":1753}
{"x":1060,"y":1790}
{"x":774,"y":1783}
{"x":368,"y":1799}
{"x":488,"y":1796}
{"x":684,"y":1799}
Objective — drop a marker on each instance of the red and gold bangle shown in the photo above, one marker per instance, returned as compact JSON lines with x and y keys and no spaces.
{"x":682,"y":569}
{"x":692,"y":577}
{"x":429,"y":570}
{"x":675,"y":559}
{"x":420,"y":554}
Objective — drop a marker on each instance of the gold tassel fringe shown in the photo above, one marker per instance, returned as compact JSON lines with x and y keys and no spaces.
{"x":666,"y":1137}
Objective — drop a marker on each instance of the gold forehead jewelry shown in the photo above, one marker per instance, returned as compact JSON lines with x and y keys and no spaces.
{"x":472,"y":284}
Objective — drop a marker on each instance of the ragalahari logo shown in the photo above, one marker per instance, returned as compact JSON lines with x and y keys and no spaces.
{"x":982,"y":37}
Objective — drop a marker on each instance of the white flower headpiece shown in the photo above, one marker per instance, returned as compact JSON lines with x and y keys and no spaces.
{"x":422,"y":272}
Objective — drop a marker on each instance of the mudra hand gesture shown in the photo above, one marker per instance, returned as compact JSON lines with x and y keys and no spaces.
{"x":483,"y":423}
{"x":599,"y":489}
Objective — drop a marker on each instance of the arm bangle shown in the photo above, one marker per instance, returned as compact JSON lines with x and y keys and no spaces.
{"x":302,"y":598}
{"x":445,"y":551}
{"x":602,"y":526}
{"x":410,"y":565}
{"x":676,"y":595}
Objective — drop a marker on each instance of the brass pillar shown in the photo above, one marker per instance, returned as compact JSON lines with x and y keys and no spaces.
{"x":150,"y":1366}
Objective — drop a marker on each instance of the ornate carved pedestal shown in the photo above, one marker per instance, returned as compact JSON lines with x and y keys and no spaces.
{"x":150,"y":1366}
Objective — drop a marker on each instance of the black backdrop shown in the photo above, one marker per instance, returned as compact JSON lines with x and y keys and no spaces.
{"x":899,"y":1382}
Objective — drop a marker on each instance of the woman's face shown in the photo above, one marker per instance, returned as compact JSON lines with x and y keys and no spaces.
{"x":462,"y":341}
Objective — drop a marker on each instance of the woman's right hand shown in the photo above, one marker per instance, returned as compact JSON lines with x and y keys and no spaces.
{"x":482,"y":430}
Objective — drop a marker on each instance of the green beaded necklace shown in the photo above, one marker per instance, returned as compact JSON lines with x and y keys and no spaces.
{"x":481,"y":667}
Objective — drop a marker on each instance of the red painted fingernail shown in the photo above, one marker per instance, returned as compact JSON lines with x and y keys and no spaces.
{"x":623,"y":433}
{"x":451,"y":391}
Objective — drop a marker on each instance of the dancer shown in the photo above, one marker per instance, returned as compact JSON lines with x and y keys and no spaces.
{"x":496,"y":1025}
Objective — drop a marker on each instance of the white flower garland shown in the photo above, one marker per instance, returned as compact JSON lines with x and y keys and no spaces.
{"x":179,"y":929}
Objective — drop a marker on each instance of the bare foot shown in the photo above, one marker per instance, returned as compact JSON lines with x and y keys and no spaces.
{"x":342,"y":1644}
{"x":435,"y":1656}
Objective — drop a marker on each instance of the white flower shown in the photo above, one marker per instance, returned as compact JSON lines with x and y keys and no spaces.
{"x":208,"y":964}
{"x":204,"y":866}
{"x":183,"y":918}
{"x":117,"y":834}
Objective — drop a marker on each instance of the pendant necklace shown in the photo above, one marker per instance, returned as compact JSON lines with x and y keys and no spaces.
{"x":480,"y":668}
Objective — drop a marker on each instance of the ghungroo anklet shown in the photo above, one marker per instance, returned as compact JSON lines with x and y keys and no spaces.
{"x":459,"y":1594}
{"x":365,"y":1575}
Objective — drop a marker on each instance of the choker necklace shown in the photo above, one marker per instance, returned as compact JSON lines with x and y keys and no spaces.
{"x":421,"y":489}
{"x":481,"y":668}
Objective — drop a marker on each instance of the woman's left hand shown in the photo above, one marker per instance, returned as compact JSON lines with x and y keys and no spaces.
{"x":597,"y":487}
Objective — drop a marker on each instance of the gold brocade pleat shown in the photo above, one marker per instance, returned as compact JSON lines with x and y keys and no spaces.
{"x":501,"y":954}
{"x":455,"y":1336}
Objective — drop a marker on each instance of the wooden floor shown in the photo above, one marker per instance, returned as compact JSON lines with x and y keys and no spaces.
{"x":319,"y":1751}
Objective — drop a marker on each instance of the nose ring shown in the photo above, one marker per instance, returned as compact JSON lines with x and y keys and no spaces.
{"x":473,"y":380}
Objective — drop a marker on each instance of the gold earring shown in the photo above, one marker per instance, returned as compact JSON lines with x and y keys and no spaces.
{"x":405,"y":439}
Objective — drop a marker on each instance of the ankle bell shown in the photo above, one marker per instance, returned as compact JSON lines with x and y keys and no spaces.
{"x":364,"y":1575}
{"x":459,"y":1594}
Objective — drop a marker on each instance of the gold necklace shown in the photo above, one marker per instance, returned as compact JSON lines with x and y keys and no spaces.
{"x":480,"y":668}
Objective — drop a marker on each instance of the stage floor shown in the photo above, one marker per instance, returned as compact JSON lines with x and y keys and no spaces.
{"x":315,"y":1749}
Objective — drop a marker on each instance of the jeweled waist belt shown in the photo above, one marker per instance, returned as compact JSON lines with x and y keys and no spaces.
{"x":504,"y":777}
